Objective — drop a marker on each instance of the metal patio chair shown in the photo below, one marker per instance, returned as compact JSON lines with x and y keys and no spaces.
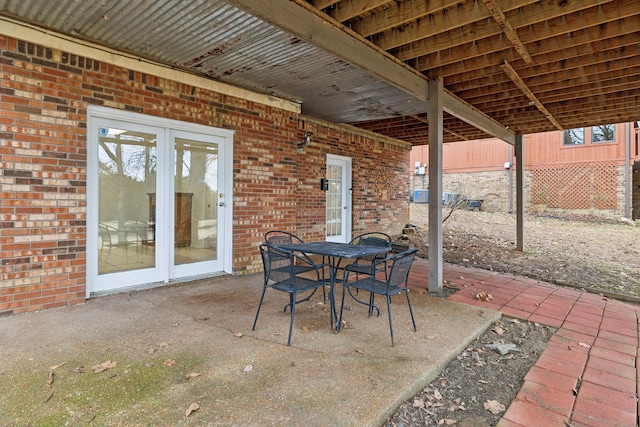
{"x":280,"y":273}
{"x":395,"y":282}
{"x":363,"y":265}
{"x":279,"y":237}
{"x":112,"y":237}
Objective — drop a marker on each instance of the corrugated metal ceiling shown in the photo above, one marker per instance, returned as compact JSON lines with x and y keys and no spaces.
{"x":212,"y":38}
{"x":527,"y":65}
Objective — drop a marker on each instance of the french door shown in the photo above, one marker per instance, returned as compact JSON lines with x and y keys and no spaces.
{"x":338,"y":199}
{"x":159,"y":200}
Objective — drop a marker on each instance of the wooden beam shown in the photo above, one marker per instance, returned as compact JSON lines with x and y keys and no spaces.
{"x":513,"y":75}
{"x":444,"y":129}
{"x":408,"y":46}
{"x":587,"y":35}
{"x":307,"y":23}
{"x":397,"y":14}
{"x":350,"y":9}
{"x":323,"y":4}
{"x":507,"y":29}
{"x":464,"y":111}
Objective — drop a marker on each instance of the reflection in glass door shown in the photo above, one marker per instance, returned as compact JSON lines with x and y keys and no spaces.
{"x":158,"y":200}
{"x":127,"y":163}
{"x":195,"y":201}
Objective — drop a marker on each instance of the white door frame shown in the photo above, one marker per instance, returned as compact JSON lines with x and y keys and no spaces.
{"x":165,"y":178}
{"x":346,"y":164}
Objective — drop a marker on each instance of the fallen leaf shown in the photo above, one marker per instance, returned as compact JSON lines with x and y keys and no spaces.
{"x":305,"y":330}
{"x":357,"y":350}
{"x":436,"y":394}
{"x":48,"y":397}
{"x":581,"y":344}
{"x":494,"y":406}
{"x":169,"y":362}
{"x":418,"y":403}
{"x":104,"y":366}
{"x":248,"y":368}
{"x":163,"y":344}
{"x":498,"y":330}
{"x":78,"y":369}
{"x":192,"y":408}
{"x":238,"y":335}
{"x":447,"y":422}
{"x":50,"y":380}
{"x":54,"y":367}
{"x":151,"y":350}
{"x":483,"y":296}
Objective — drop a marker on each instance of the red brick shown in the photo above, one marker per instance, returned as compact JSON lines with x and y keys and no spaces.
{"x":528,"y":414}
{"x":607,"y":396}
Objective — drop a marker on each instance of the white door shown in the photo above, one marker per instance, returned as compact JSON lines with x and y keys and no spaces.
{"x":158,"y":200}
{"x":198,"y":205}
{"x":338,"y":199}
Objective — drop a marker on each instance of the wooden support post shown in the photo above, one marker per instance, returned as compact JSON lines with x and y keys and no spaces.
{"x":520,"y":192}
{"x":435,"y":117}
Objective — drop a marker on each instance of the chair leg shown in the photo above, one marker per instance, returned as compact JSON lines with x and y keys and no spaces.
{"x":411,"y":310}
{"x":258,"y":312}
{"x":342,"y":305}
{"x":390,"y":322}
{"x":293,"y":313}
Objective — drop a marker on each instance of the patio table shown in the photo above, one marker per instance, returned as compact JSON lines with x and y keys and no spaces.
{"x":335,"y":252}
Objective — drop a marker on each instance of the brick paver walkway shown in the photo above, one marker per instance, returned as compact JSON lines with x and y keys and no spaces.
{"x":588,"y":374}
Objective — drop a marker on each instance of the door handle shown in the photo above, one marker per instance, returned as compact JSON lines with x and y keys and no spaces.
{"x":222,"y":204}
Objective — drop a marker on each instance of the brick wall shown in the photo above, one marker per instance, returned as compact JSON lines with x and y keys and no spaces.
{"x":592,"y":188}
{"x":475,"y":185}
{"x":44,"y":95}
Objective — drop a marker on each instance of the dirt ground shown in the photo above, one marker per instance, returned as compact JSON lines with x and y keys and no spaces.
{"x":581,"y":251}
{"x":584,"y":251}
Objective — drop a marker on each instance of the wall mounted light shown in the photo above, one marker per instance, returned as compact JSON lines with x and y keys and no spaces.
{"x":306,"y":140}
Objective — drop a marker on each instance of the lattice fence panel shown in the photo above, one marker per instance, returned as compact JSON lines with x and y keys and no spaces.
{"x":590,"y":185}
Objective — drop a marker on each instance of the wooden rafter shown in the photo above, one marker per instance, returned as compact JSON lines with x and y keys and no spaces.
{"x":397,"y":14}
{"x":449,"y":131}
{"x":513,"y":75}
{"x":437,"y":40}
{"x":345,"y":11}
{"x":507,"y":29}
{"x":321,"y":4}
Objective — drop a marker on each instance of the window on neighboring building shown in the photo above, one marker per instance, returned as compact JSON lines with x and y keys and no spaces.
{"x":603,"y":133}
{"x":573,"y":137}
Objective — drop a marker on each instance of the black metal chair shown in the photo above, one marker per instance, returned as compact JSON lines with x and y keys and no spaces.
{"x":363,"y":265}
{"x":280,"y":273}
{"x":395,"y":282}
{"x":279,"y":237}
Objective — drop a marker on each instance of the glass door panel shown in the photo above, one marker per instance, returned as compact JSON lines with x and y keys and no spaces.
{"x":127,"y":162}
{"x":334,"y":201}
{"x":338,"y":200}
{"x":196,"y":202}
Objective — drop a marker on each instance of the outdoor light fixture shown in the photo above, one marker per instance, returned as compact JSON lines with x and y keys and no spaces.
{"x":306,"y":140}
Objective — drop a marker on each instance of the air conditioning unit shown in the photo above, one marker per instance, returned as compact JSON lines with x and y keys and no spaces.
{"x":421,"y":196}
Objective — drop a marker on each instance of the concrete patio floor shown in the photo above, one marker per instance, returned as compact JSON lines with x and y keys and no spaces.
{"x":350,"y":378}
{"x":587,"y":376}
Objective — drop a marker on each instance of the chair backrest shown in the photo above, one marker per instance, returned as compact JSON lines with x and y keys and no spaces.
{"x":278,"y":264}
{"x":278,"y":237}
{"x":105,"y":234}
{"x":400,"y":266}
{"x":373,"y":239}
